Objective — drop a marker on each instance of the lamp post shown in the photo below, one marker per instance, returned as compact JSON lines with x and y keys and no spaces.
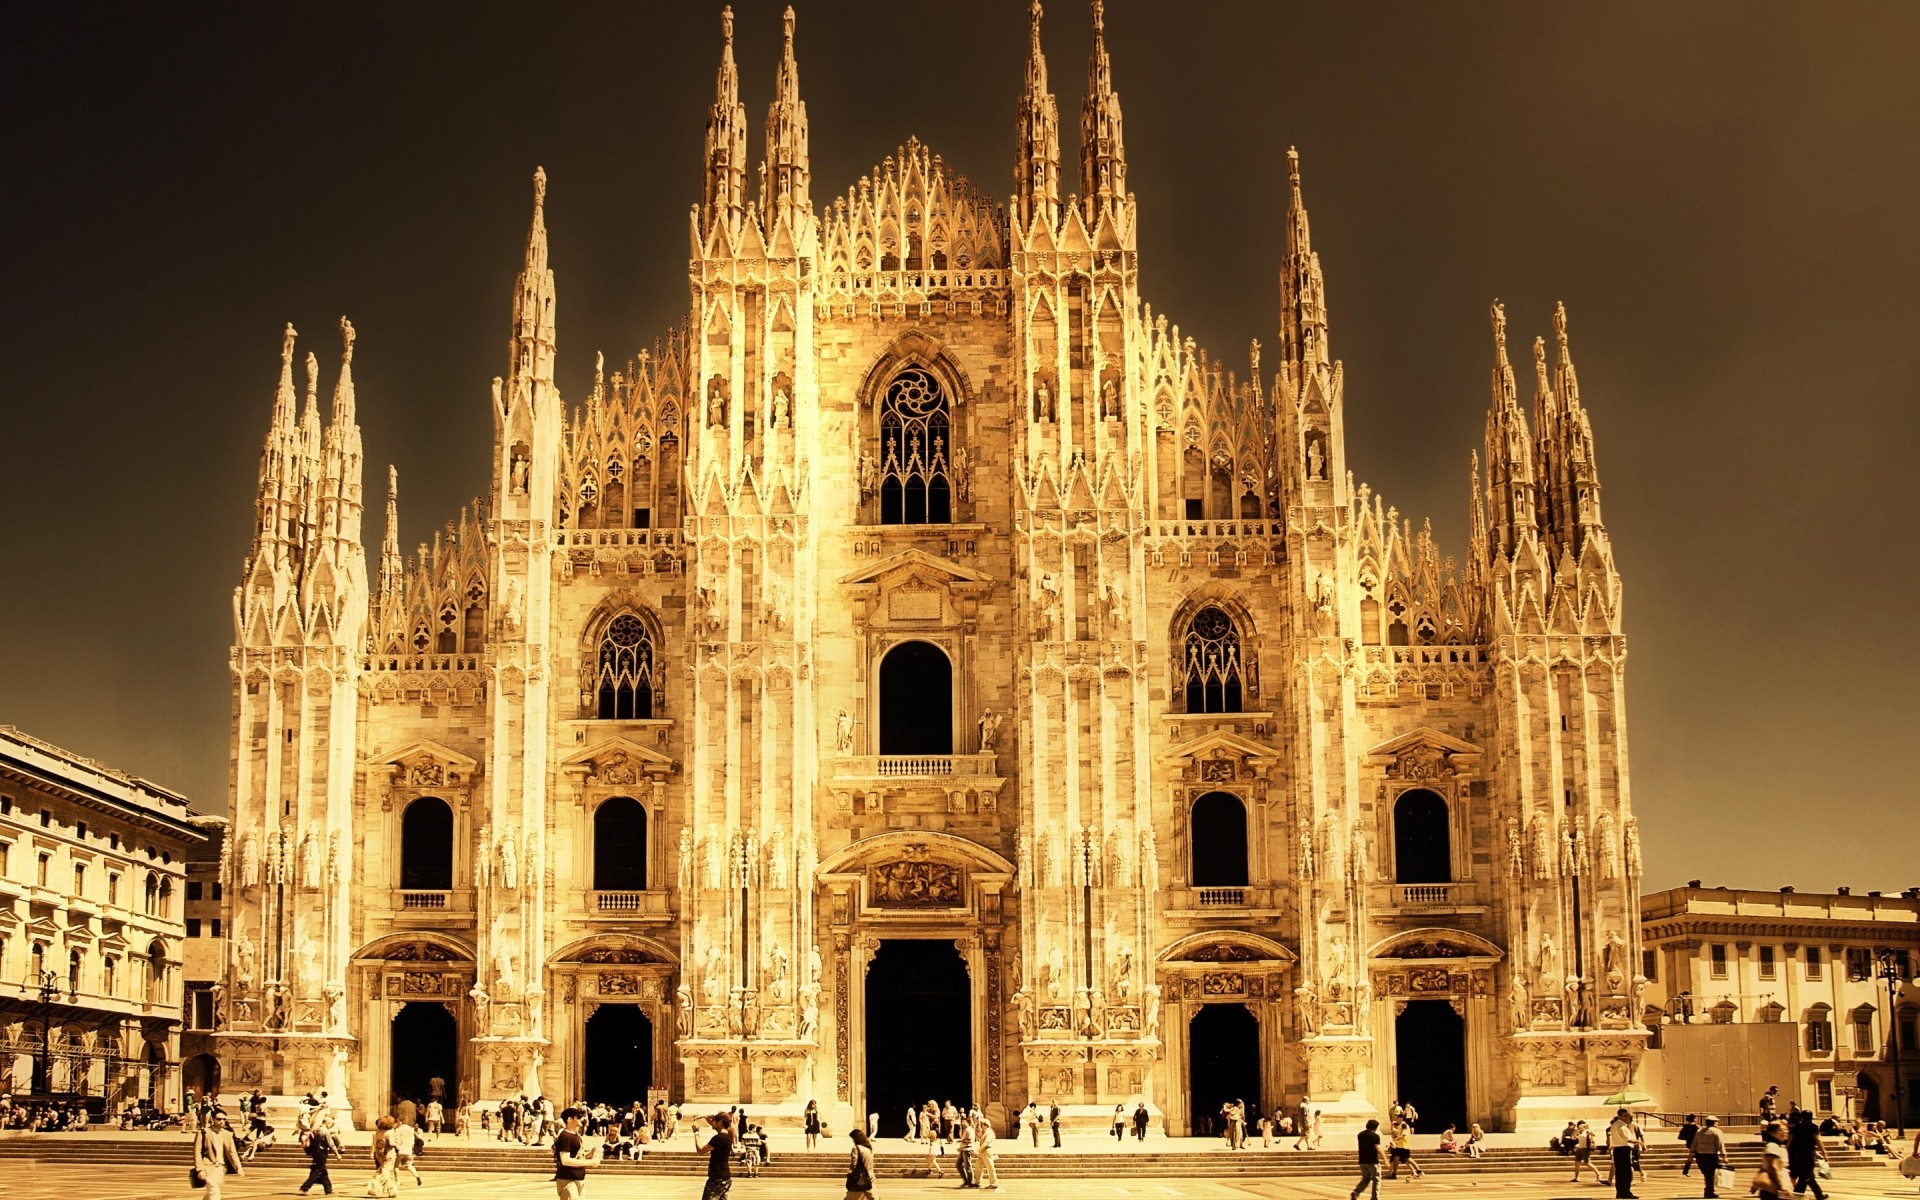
{"x":1890,"y":971}
{"x":48,"y":982}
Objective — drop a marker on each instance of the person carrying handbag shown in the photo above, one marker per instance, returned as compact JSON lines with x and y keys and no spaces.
{"x":860,"y":1166}
{"x":214,"y":1156}
{"x":1771,"y":1180}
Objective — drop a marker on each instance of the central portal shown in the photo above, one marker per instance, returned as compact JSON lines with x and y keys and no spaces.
{"x":425,"y":1050}
{"x":619,"y":1052}
{"x":1223,"y":1064}
{"x":919,"y":1030}
{"x":1430,"y":1043}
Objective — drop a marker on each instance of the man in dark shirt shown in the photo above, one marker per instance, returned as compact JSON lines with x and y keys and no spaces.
{"x":1688,"y":1130}
{"x":1369,"y":1161}
{"x":1053,"y":1119}
{"x":318,"y":1145}
{"x":569,"y":1164}
{"x":719,"y":1158}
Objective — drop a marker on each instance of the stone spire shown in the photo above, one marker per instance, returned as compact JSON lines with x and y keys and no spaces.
{"x":531,"y":348}
{"x":1568,"y":474}
{"x":392,"y":567}
{"x":726,"y":191}
{"x":1510,"y":477}
{"x":1303,"y":298}
{"x":1103,"y":155}
{"x":784,"y":190}
{"x":1037,"y":169}
{"x":342,"y":411}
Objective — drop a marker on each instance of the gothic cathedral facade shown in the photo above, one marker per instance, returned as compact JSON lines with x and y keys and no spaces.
{"x":927,"y":628}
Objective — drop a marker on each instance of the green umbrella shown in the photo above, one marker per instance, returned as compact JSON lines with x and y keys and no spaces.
{"x":1628,"y":1098}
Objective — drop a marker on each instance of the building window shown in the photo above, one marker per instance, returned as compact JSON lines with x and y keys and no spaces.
{"x":193,"y":927}
{"x":216,"y":889}
{"x":1819,"y":1030}
{"x":5,"y":847}
{"x":1859,"y":963}
{"x":620,"y":846}
{"x":113,"y":887}
{"x":200,"y":1009}
{"x":916,"y":438}
{"x":1823,"y":1094}
{"x":79,"y":881}
{"x":1717,"y":960}
{"x":1816,"y":964}
{"x":1863,"y":1031}
{"x":1210,"y":670}
{"x":1905,"y":1024}
{"x":1422,"y":840}
{"x":109,"y":985}
{"x":916,"y":700}
{"x":73,"y":971}
{"x":193,"y":889}
{"x":1768,"y":970}
{"x":215,"y":923}
{"x":1219,"y":824}
{"x":46,"y":865}
{"x":625,"y":673}
{"x":38,"y":958}
{"x":426,"y":846}
{"x":1650,"y":964}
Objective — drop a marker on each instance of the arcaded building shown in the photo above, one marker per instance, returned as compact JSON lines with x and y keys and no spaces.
{"x":926,"y":673}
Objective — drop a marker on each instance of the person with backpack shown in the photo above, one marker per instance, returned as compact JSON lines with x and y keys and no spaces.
{"x":318,"y":1145}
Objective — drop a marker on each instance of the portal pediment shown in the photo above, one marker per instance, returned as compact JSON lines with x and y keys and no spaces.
{"x":930,"y":569}
{"x":1425,"y":753}
{"x":1434,"y":943}
{"x":427,"y":763}
{"x":618,"y":760}
{"x":1219,"y":745}
{"x":1226,"y":946}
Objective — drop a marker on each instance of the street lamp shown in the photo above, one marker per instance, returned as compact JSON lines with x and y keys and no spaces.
{"x":48,"y":982}
{"x":1890,"y":964}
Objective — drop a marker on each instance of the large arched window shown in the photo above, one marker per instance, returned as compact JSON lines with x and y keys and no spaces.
{"x":426,"y":846}
{"x":620,"y":846}
{"x":916,"y":442}
{"x":1210,"y":666}
{"x":624,"y":677}
{"x":1219,"y":841}
{"x":1422,"y":843}
{"x":916,"y":700}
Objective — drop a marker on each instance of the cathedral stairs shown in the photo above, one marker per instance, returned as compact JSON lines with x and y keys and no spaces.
{"x":1025,"y":1163}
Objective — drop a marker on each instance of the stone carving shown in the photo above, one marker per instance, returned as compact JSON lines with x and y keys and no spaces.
{"x":243,"y":960}
{"x":1056,"y":976}
{"x":1633,"y":848}
{"x":1303,"y":849}
{"x":914,"y":883}
{"x":713,"y":982}
{"x":778,"y":968}
{"x":1549,"y":960}
{"x":1122,"y":974}
{"x":1223,"y":983}
{"x":617,"y":985}
{"x":1419,"y":763}
{"x":843,"y":732}
{"x":426,"y":773}
{"x":989,"y":731}
{"x":616,"y":769}
{"x":249,"y":861}
{"x":1043,"y":406}
{"x":509,"y":862}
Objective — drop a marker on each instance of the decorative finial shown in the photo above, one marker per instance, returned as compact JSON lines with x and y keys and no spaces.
{"x":1540,"y":359}
{"x":539,"y":186}
{"x":1033,"y":19}
{"x":393,"y":483}
{"x":1560,"y":324}
{"x":1500,"y":326}
{"x":1293,"y":165}
{"x":346,"y":336}
{"x":1099,"y":17}
{"x":786,"y":24}
{"x":286,"y":345}
{"x":726,"y":24}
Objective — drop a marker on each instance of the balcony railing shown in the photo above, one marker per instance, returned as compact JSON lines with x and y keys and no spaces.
{"x":630,"y":904}
{"x":424,"y":899}
{"x":618,"y":902}
{"x":1426,"y":893}
{"x":898,"y":766}
{"x":1220,"y":897}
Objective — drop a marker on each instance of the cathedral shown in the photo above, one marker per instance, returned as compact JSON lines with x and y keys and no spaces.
{"x":926,"y":674}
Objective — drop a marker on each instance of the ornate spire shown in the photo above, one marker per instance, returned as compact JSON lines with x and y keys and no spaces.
{"x":1103,"y":155}
{"x":1037,"y":169}
{"x":392,"y":566}
{"x":784,"y":189}
{"x":342,"y":410}
{"x":726,"y":190}
{"x":285,"y":398}
{"x":1303,"y":292}
{"x":1510,"y":475}
{"x":531,"y":347}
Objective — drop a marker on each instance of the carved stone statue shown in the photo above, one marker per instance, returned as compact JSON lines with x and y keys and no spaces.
{"x":1303,"y":1007}
{"x":869,"y":475}
{"x":517,"y":473}
{"x":1522,"y":1003}
{"x":713,"y":983}
{"x":1303,"y":839}
{"x":1109,"y":400}
{"x":778,"y":981}
{"x":1056,"y":974}
{"x":1123,"y":974}
{"x":1150,"y":1025}
{"x":781,"y":405}
{"x":310,"y":861}
{"x":218,"y":995}
{"x":1023,"y":1013}
{"x":843,"y":732}
{"x":989,"y":731}
{"x":686,"y":858}
{"x":243,"y":960}
{"x":1043,"y":402}
{"x":509,"y":863}
{"x":962,"y":478}
{"x":1337,"y":958}
{"x":1362,"y":1003}
{"x":813,"y":967}
{"x":1549,"y":959}
{"x":683,"y":1010}
{"x":249,"y":861}
{"x":1613,"y":954}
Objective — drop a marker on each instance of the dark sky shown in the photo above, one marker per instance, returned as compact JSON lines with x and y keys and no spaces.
{"x":1727,"y":197}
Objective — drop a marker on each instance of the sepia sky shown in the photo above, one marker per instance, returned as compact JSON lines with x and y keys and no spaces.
{"x":1726,"y":195}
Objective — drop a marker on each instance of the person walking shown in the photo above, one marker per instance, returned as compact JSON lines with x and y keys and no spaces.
{"x":570,"y":1158}
{"x":1119,"y":1122}
{"x":383,"y":1182}
{"x":436,"y":1115}
{"x":1689,"y":1129}
{"x":860,"y":1166}
{"x":963,"y":1155}
{"x":913,"y":1122}
{"x":987,"y":1170}
{"x":1141,"y":1118}
{"x":1804,"y":1154}
{"x":1620,"y":1146}
{"x":214,"y":1154}
{"x":318,"y":1146}
{"x":1708,"y":1146}
{"x":406,"y":1140}
{"x":1402,"y":1133}
{"x":1576,"y":1140}
{"x":811,"y":1120}
{"x":719,"y":1150}
{"x":1772,"y":1180}
{"x":1369,"y":1161}
{"x":1053,"y":1119}
{"x":935,"y":1147}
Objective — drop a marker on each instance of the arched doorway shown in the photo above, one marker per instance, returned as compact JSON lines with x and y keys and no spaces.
{"x":1869,"y":1097}
{"x":1219,"y":841}
{"x":426,"y":846}
{"x":919,"y":1041}
{"x":201,"y":1075}
{"x":916,"y":700}
{"x":1430,"y":1047}
{"x":1223,"y":1064}
{"x":619,"y":1055}
{"x":620,"y":846}
{"x":425,"y":1047}
{"x":1422,"y":841}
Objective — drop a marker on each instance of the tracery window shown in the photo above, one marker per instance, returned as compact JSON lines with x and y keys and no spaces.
{"x":624,"y":678}
{"x":1210,"y":666}
{"x":916,"y":486}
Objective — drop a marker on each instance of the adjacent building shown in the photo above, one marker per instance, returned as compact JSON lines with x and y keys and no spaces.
{"x":926,"y":671}
{"x":1751,"y":989}
{"x":204,"y":961}
{"x":92,"y":872}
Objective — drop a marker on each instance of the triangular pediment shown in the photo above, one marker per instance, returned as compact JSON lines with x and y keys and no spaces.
{"x":929,"y":564}
{"x":428,"y":748}
{"x":1424,"y":737}
{"x":619,"y":760}
{"x":1218,"y":744}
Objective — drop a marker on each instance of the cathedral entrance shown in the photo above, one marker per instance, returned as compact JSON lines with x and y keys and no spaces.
{"x":1223,"y":1064}
{"x":1430,"y":1047}
{"x":919,"y":1030}
{"x":425,"y":1048}
{"x":619,"y":1055}
{"x":916,"y":700}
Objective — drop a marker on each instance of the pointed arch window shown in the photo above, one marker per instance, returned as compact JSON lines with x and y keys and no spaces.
{"x":916,"y":440}
{"x":1211,"y":672}
{"x":624,"y":679}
